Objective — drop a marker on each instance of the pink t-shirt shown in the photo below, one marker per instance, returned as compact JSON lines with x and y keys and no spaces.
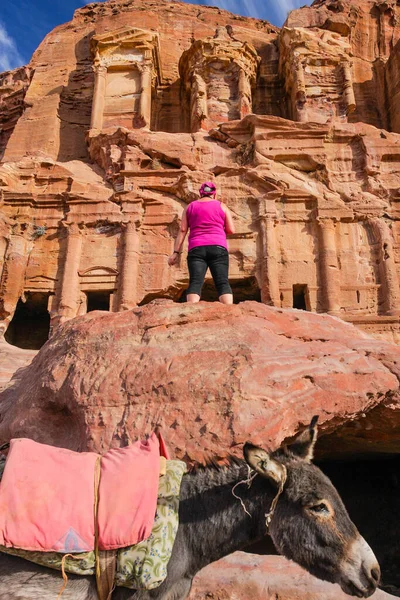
{"x":206,"y":221}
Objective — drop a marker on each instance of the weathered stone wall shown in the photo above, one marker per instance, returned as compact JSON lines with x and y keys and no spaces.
{"x":372,"y":29}
{"x":13,"y":86}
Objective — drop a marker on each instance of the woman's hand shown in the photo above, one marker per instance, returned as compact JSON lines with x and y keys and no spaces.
{"x":173,"y":259}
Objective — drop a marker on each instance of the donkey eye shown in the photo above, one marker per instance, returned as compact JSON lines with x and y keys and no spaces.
{"x":320,"y":509}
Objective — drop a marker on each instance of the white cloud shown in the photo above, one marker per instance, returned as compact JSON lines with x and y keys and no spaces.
{"x":10,"y":58}
{"x":283,"y":7}
{"x":260,"y":9}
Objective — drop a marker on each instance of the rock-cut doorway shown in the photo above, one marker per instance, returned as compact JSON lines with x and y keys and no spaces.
{"x":30,"y":325}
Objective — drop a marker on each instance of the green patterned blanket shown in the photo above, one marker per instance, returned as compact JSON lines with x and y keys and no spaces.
{"x":143,"y":566}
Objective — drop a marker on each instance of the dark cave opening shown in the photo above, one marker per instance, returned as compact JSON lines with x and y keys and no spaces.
{"x":242,"y":289}
{"x":30,"y":325}
{"x":99,"y":300}
{"x":301,"y":299}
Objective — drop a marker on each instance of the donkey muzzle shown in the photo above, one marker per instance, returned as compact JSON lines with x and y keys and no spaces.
{"x":360,"y":573}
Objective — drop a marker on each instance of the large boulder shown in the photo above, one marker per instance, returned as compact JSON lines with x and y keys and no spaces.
{"x":212,"y":376}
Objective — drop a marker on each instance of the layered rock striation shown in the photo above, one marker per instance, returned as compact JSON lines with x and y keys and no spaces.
{"x":212,"y":377}
{"x":125,"y":110}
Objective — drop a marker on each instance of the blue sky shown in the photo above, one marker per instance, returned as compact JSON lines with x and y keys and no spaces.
{"x":24,"y":23}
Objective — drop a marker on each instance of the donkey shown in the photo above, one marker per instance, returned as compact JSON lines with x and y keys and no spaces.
{"x":226,"y":508}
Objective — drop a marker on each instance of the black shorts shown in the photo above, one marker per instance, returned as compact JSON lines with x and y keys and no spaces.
{"x":216,"y":258}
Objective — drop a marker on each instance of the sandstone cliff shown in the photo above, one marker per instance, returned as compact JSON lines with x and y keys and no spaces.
{"x":126,"y":109}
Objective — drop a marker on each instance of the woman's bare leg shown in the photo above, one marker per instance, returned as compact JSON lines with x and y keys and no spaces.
{"x":193,"y":298}
{"x":226,"y":298}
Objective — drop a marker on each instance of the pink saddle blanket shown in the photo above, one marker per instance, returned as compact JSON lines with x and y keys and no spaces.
{"x":47,"y":496}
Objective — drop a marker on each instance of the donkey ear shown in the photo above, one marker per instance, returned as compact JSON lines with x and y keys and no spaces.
{"x":259,"y":460}
{"x":303,"y":445}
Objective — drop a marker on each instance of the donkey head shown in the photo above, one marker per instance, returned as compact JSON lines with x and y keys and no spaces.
{"x":310,"y":524}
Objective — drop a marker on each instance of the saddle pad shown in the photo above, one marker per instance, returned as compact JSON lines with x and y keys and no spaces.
{"x":47,"y":497}
{"x":143,"y":566}
{"x":128,"y":494}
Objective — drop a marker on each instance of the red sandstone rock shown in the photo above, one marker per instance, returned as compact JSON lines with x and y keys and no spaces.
{"x":304,"y":147}
{"x":213,"y":376}
{"x":242,"y":576}
{"x":13,"y":87}
{"x":11,"y":360}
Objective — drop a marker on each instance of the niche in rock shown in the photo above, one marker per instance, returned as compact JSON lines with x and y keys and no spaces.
{"x":122,"y":99}
{"x":30,"y":325}
{"x":223,"y":92}
{"x":98,"y":300}
{"x":301,"y":298}
{"x":242,"y":289}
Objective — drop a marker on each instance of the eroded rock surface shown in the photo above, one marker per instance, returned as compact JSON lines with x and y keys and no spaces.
{"x":212,"y":376}
{"x":142,"y":101}
{"x":11,"y":360}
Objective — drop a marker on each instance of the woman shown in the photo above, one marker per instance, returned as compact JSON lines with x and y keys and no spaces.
{"x":208,"y":221}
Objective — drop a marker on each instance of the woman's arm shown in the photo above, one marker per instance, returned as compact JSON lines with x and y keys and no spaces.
{"x":180,"y":238}
{"x":229,"y":224}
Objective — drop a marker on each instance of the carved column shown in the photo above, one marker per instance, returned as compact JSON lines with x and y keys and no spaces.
{"x":99,"y":96}
{"x":13,"y":276}
{"x":385,"y":7}
{"x":329,"y":267}
{"x":69,"y":297}
{"x":130,"y":266}
{"x":145,"y":97}
{"x":3,"y":252}
{"x":244,"y":88}
{"x":300,"y":92}
{"x":348,"y":91}
{"x":388,"y":267}
{"x":382,"y":8}
{"x":198,"y":103}
{"x":269,"y":262}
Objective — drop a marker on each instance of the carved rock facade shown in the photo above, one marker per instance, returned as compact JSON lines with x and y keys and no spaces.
{"x":298,"y":127}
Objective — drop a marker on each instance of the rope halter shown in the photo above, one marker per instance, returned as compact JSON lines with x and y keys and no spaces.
{"x":252,"y":474}
{"x":270,"y":514}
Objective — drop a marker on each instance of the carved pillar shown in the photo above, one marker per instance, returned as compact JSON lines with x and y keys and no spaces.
{"x":245,"y":100}
{"x":13,"y":276}
{"x":3,"y":252}
{"x":382,"y":8}
{"x":300,"y":92}
{"x":130,"y":266}
{"x":69,"y":297}
{"x":329,"y":267}
{"x":198,"y":103}
{"x":348,"y":91}
{"x":145,"y":97}
{"x":388,"y":267}
{"x":269,"y":262}
{"x":99,"y":95}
